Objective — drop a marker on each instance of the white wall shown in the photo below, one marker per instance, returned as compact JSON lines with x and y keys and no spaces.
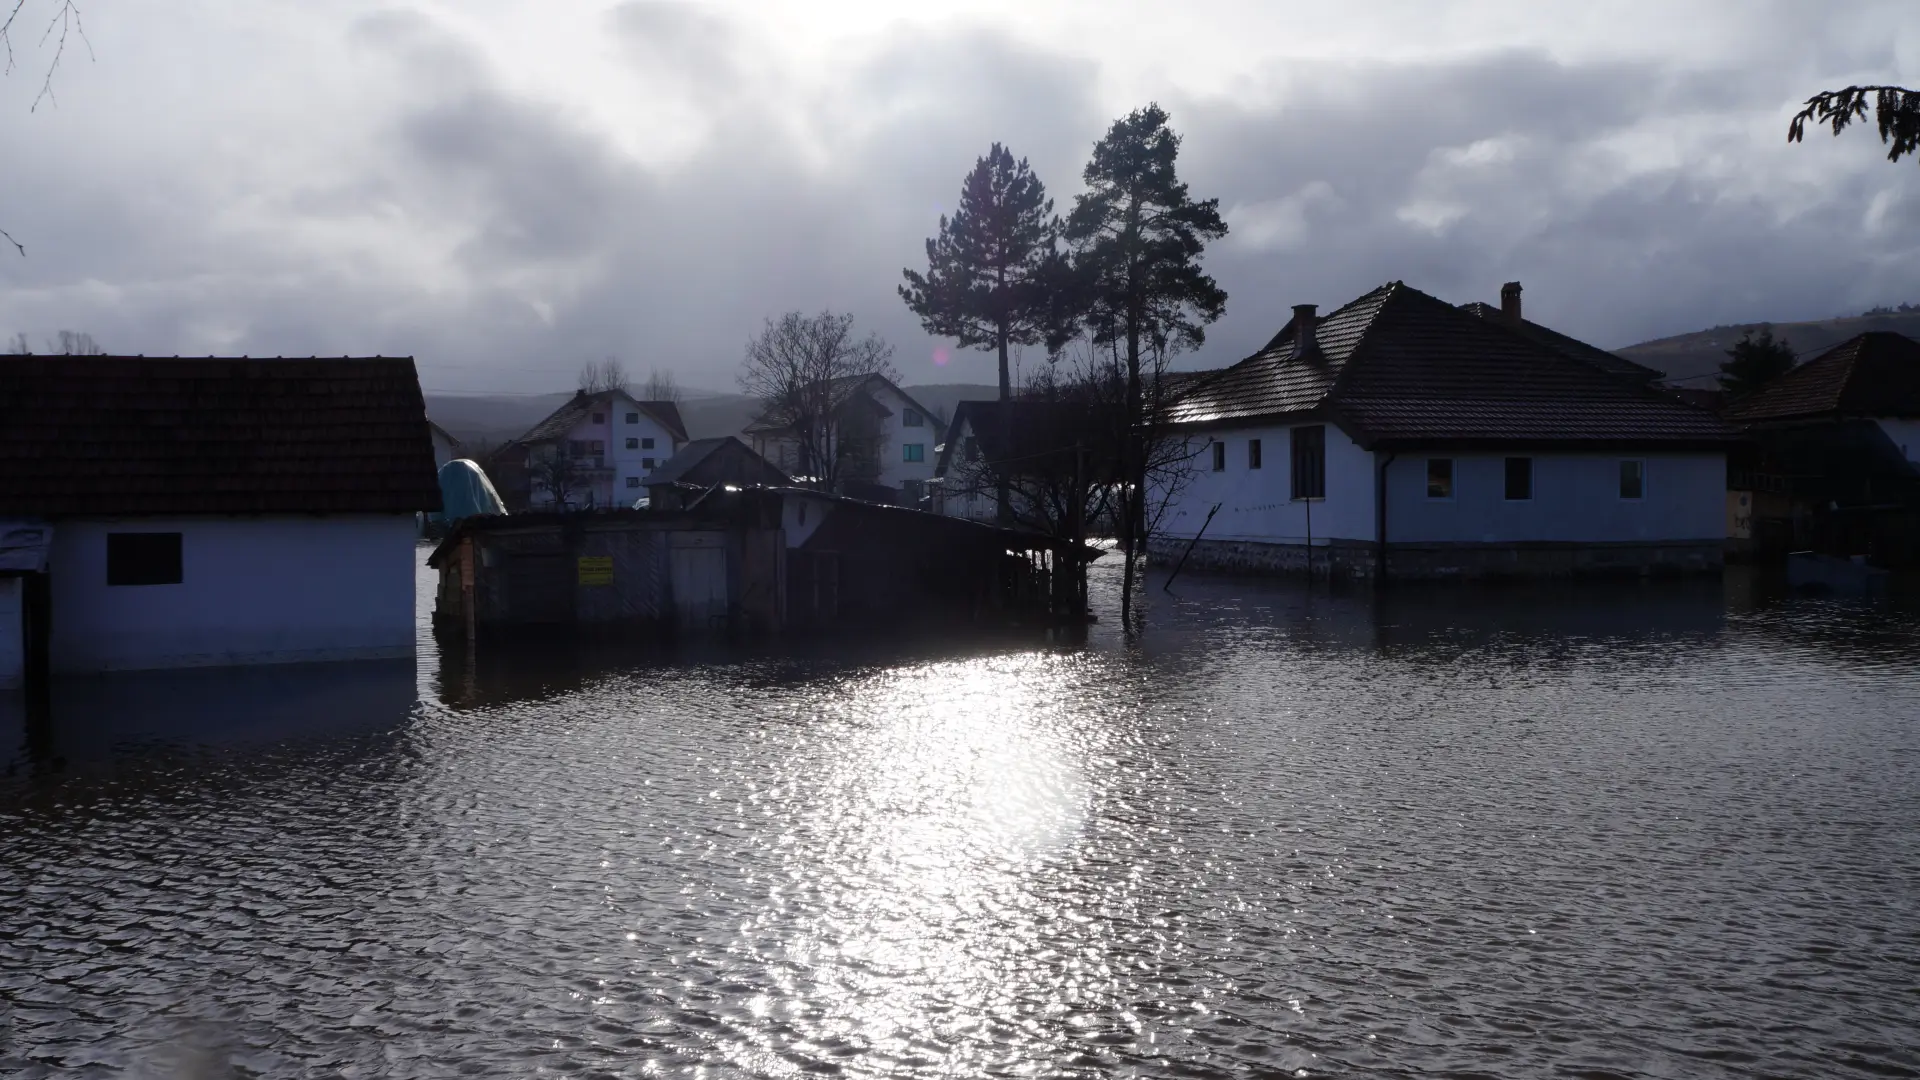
{"x":1905,"y":435}
{"x":443,"y":448}
{"x":1257,"y":504}
{"x":896,"y":435}
{"x":1576,"y":497}
{"x":626,"y":468}
{"x":253,"y":590}
{"x":12,"y":635}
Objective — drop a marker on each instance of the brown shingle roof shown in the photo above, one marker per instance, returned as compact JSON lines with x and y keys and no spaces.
{"x":1399,"y":366}
{"x":122,"y":435}
{"x":1871,"y":375}
{"x":1567,"y":346}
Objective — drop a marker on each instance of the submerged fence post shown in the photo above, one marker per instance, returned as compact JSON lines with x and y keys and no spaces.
{"x":1168,"y":586}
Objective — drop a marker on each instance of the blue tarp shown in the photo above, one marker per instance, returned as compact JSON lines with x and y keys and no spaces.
{"x":465,"y":491}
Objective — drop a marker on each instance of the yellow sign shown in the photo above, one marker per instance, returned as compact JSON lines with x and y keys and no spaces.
{"x":596,"y":569}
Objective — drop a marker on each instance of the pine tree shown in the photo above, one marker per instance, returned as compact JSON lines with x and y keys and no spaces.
{"x":1754,"y":361}
{"x":1137,"y":236}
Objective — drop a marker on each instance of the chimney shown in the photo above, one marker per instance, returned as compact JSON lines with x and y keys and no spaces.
{"x":1510,"y":300}
{"x":1306,"y":343}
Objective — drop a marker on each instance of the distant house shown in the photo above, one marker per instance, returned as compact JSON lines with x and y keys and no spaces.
{"x":1836,"y":442}
{"x":1403,"y":435}
{"x":594,"y":451}
{"x":1030,"y":441}
{"x":1508,"y":315}
{"x":884,"y":441}
{"x":445,"y":447}
{"x":190,"y":512}
{"x":702,"y":463}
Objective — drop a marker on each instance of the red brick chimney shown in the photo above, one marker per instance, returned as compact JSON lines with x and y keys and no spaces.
{"x":1510,"y":300}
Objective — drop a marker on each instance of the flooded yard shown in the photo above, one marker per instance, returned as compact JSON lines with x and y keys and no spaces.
{"x":1647,"y":830}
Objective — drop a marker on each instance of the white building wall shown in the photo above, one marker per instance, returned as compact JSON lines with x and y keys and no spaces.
{"x":443,"y":449}
{"x":1576,"y":498}
{"x":1257,"y":505}
{"x":13,"y":662}
{"x":631,"y":464}
{"x":1905,"y":435}
{"x":253,"y":590}
{"x":898,"y":435}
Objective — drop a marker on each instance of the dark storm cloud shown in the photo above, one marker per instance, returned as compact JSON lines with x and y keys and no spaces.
{"x":504,"y":236}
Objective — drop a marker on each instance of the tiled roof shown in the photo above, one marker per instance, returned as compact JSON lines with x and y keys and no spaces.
{"x":696,"y":454}
{"x":1561,"y":343}
{"x":1398,"y":365}
{"x":1875,"y":374}
{"x":1036,"y":433}
{"x":123,"y":435}
{"x":568,"y":416}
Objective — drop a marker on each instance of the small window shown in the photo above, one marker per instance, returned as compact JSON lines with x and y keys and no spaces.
{"x":646,"y":463}
{"x":1253,"y":453}
{"x":578,"y":448}
{"x":633,"y":418}
{"x":1440,"y":478}
{"x":646,"y":443}
{"x":633,"y":481}
{"x":1519,"y":478}
{"x":633,"y":444}
{"x":143,"y":559}
{"x":912,"y":418}
{"x":1219,"y":456}
{"x":599,"y":418}
{"x":1633,"y":479}
{"x":598,"y":448}
{"x":913,"y":451}
{"x":1310,"y":462}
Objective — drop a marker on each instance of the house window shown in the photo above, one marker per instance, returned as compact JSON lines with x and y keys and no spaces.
{"x":911,"y":418}
{"x":633,"y":481}
{"x":1440,"y":478}
{"x":633,"y":444}
{"x":633,"y":418}
{"x":1519,"y":478}
{"x":913,"y":451}
{"x":577,"y":447}
{"x":646,"y":463}
{"x":1253,"y":453}
{"x":1219,"y":456}
{"x":1310,"y":462}
{"x":598,"y":448}
{"x":646,"y":443}
{"x":143,"y":559}
{"x":599,"y":418}
{"x":1633,"y":479}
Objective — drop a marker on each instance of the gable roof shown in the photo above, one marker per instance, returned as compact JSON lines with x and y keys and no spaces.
{"x":443,"y":433}
{"x":564,"y":419}
{"x":1397,"y":366}
{"x":1035,"y":432}
{"x":1869,"y":375}
{"x":1571,"y":347}
{"x":699,"y":452}
{"x":841,"y":391}
{"x":129,"y":435}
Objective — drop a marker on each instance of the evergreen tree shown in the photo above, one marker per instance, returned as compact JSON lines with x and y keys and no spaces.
{"x":1137,"y":236}
{"x":1896,"y":112}
{"x":1755,"y":360}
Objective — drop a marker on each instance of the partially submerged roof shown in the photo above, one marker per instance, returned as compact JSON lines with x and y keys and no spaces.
{"x":129,"y":435}
{"x":1875,"y":374}
{"x":1397,"y":367}
{"x":1571,"y":347}
{"x":564,"y":419}
{"x":697,"y":453}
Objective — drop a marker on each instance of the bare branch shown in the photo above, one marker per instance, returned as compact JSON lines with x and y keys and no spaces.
{"x":17,"y":246}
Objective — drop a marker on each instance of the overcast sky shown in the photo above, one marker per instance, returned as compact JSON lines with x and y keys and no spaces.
{"x":506,"y":190}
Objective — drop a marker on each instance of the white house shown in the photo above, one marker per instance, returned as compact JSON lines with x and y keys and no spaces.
{"x":1403,"y":435}
{"x":897,"y":439}
{"x":212,"y":511}
{"x":445,"y":446}
{"x":597,"y":449}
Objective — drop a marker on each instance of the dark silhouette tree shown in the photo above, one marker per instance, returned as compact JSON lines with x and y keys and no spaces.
{"x":1754,"y":361}
{"x":806,"y":371}
{"x":65,"y":20}
{"x":991,"y":269}
{"x":1137,"y":236}
{"x":1896,"y":111}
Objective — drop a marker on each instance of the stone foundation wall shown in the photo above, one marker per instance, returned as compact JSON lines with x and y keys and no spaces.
{"x":1415,"y":562}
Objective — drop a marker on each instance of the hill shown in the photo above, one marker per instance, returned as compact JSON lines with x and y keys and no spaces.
{"x":1694,"y":359}
{"x":491,"y":419}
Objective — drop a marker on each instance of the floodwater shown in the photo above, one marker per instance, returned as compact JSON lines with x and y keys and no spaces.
{"x":1642,"y":830}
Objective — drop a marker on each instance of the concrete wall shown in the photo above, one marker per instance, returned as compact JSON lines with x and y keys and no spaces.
{"x":1905,"y":435}
{"x":253,"y":590}
{"x":12,"y":639}
{"x":1256,"y":504}
{"x":1576,"y":499}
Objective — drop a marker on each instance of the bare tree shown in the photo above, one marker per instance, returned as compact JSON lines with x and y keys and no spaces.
{"x":807,"y":372}
{"x":662,"y":386}
{"x":18,"y":345}
{"x":64,"y":21}
{"x":554,"y":471}
{"x":608,"y":374}
{"x":71,"y":343}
